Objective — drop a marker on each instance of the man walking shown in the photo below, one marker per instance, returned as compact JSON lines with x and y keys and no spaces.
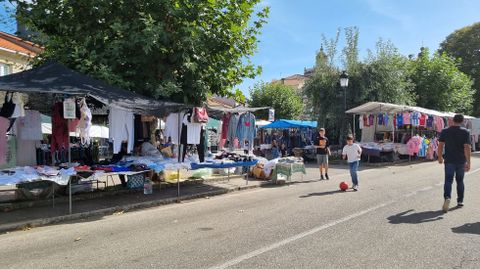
{"x":456,"y":140}
{"x":352,"y":152}
{"x":323,"y":151}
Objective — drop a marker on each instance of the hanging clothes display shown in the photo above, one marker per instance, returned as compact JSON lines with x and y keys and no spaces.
{"x":246,"y":130}
{"x":172,"y":127}
{"x":232,"y":129}
{"x":85,"y":123}
{"x":60,"y":135}
{"x":121,"y":123}
{"x":30,"y":126}
{"x":225,"y":124}
{"x":193,"y":130}
{"x":4,"y":123}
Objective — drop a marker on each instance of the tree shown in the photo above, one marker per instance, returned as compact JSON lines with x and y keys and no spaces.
{"x":283,"y":98}
{"x":384,"y":77}
{"x":464,"y":44}
{"x":182,"y":49}
{"x":440,"y":85}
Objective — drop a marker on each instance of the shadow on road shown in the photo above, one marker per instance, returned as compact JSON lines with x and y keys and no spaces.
{"x":469,"y":228}
{"x":415,"y":218}
{"x":322,"y":193}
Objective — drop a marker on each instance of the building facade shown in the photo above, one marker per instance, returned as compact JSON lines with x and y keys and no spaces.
{"x":16,"y":54}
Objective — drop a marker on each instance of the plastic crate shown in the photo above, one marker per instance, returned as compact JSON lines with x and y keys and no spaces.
{"x":135,"y":181}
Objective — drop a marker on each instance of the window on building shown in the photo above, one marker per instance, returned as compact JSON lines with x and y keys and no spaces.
{"x":5,"y":69}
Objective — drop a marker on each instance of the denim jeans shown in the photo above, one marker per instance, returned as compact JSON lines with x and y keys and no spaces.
{"x":353,"y":171}
{"x":451,"y":171}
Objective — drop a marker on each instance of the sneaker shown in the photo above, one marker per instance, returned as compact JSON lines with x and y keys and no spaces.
{"x":460,"y":204}
{"x":322,"y":178}
{"x":355,"y":187}
{"x":446,"y":205}
{"x":326,"y":176}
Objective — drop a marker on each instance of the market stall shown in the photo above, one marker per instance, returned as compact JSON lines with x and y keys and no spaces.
{"x":73,"y":96}
{"x":390,"y":131}
{"x":295,"y":135}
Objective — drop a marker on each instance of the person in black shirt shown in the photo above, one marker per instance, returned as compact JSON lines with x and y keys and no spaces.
{"x":456,"y":140}
{"x":323,"y":151}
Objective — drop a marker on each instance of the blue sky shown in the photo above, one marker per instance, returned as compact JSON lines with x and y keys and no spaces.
{"x":293,"y":32}
{"x":292,"y":36}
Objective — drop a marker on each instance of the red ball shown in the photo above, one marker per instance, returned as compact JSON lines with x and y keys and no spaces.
{"x":343,"y":186}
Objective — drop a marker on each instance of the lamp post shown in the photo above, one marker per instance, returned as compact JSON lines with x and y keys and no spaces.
{"x":344,"y":85}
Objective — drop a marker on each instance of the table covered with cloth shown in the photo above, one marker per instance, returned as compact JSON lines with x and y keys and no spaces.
{"x":289,"y":168}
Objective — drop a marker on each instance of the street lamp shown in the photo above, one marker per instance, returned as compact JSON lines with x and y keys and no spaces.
{"x":344,"y":85}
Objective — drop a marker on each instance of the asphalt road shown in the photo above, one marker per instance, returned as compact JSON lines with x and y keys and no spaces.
{"x":394,"y":221}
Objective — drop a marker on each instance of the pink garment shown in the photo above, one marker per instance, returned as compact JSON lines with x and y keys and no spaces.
{"x":450,"y":121}
{"x":413,"y":145}
{"x":225,"y":122}
{"x":4,"y":123}
{"x":222,"y":143}
{"x":439,"y":123}
{"x":406,"y":118}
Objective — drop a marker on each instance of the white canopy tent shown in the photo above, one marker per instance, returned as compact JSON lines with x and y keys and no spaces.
{"x":378,"y":107}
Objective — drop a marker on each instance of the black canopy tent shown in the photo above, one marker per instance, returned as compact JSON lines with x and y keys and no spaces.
{"x":55,"y":78}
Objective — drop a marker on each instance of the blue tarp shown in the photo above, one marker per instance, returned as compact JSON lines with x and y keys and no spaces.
{"x":283,"y":124}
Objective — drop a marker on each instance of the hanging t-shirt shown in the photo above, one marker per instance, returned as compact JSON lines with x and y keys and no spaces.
{"x":371,"y":120}
{"x":121,"y":125}
{"x":423,"y":120}
{"x":430,"y":121}
{"x":193,"y":131}
{"x":415,"y":119}
{"x":365,"y":121}
{"x":172,"y":128}
{"x":406,"y":118}
{"x":381,"y":120}
{"x":30,"y":126}
{"x":361,"y":123}
{"x":400,"y":120}
{"x":386,"y":119}
{"x":439,"y":123}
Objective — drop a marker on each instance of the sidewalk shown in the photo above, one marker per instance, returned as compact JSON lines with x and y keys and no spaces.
{"x":121,"y":202}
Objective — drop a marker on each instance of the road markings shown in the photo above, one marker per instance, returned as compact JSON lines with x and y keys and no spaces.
{"x":289,"y":240}
{"x":296,"y":237}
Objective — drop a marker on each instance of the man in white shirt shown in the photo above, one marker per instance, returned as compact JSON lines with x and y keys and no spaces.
{"x":352,"y":153}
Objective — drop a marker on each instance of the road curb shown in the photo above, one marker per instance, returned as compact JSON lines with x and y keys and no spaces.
{"x":111,"y":210}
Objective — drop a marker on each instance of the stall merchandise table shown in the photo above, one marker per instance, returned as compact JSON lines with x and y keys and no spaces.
{"x":224,"y":165}
{"x":288,"y":169}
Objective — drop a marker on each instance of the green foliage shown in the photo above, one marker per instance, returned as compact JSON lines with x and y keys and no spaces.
{"x":183,"y":49}
{"x":440,"y":85}
{"x":284,"y":99}
{"x":384,"y":76}
{"x":464,"y":44}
